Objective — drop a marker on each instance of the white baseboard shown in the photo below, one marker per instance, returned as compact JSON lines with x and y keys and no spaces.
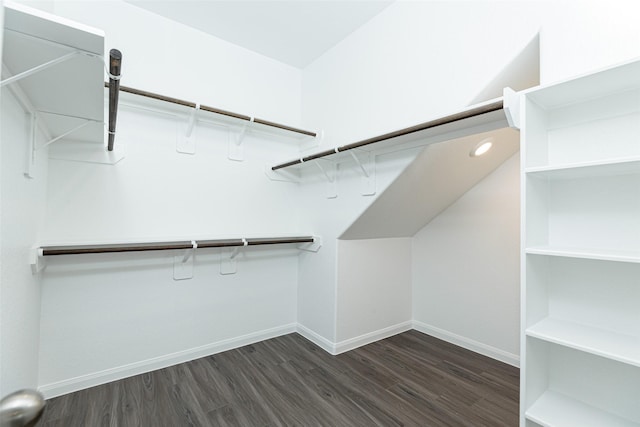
{"x":469,"y":344}
{"x":120,"y":372}
{"x":317,"y":339}
{"x":352,"y":343}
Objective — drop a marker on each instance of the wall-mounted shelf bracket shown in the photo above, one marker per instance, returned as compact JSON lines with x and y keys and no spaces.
{"x":186,"y":143}
{"x":236,"y":151}
{"x":313,"y":246}
{"x":183,"y":264}
{"x":40,"y":67}
{"x":281,"y":175}
{"x":228,"y":259}
{"x":330,"y":171}
{"x":69,"y":132}
{"x":36,"y":260}
{"x":31,"y":147}
{"x":367,"y":166}
{"x":511,"y":101}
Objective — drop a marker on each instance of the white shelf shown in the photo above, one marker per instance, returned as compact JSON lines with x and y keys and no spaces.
{"x":588,"y":169}
{"x":581,"y":222}
{"x":556,"y":410}
{"x":68,"y":92}
{"x":619,"y":347}
{"x":586,"y":253}
{"x":592,"y":86}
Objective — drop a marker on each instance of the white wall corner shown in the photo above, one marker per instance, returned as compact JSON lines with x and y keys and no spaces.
{"x":362,"y":340}
{"x":469,"y":344}
{"x":317,"y":339}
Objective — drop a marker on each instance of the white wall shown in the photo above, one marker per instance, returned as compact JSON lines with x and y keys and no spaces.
{"x":419,"y":60}
{"x":466,"y":269}
{"x":329,"y":217}
{"x":579,"y":36}
{"x":403,"y":67}
{"x":162,"y":56}
{"x":21,"y":211}
{"x":373,"y":290}
{"x":109,"y":316}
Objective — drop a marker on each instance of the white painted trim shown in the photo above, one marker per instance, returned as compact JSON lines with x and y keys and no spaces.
{"x":353,"y":343}
{"x":120,"y":372}
{"x":317,"y":339}
{"x":469,"y":344}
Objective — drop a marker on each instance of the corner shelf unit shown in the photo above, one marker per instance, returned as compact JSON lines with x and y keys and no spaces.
{"x":55,"y":69}
{"x":580,"y":355}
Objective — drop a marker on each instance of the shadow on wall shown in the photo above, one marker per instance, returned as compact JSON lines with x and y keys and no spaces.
{"x":444,"y":172}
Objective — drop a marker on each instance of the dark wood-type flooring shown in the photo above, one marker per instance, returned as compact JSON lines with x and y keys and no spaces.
{"x":410,"y":379}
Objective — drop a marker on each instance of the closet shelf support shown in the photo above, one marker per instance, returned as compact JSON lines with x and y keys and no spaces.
{"x":69,"y":132}
{"x":39,"y":68}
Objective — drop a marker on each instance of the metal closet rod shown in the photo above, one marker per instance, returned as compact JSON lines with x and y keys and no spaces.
{"x":164,"y":246}
{"x":495,"y":106}
{"x":213,"y":110}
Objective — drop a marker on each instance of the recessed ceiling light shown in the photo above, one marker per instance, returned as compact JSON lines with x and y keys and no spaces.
{"x":481,"y":147}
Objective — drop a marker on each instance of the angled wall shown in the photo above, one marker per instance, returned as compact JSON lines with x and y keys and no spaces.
{"x":466,"y":268}
{"x":440,"y":175}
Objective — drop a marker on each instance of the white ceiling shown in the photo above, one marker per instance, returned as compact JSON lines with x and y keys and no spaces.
{"x":295,"y":32}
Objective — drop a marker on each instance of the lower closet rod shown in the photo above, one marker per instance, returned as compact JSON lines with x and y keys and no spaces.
{"x":162,"y":246}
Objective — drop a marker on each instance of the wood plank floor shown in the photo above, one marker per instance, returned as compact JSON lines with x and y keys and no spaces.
{"x":410,"y":379}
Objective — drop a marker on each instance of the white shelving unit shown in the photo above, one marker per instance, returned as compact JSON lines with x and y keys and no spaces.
{"x":580,"y":356}
{"x":55,"y":68}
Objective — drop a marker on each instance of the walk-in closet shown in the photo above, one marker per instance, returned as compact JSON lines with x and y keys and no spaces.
{"x":320,"y":213}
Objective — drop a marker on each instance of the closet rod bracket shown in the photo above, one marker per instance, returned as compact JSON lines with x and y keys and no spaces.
{"x":330,"y":171}
{"x":312,"y":246}
{"x":37,"y":260}
{"x":236,"y":152}
{"x":183,"y":264}
{"x":511,"y":101}
{"x":228,"y":263}
{"x":281,"y":175}
{"x":186,"y":144}
{"x":365,"y":160}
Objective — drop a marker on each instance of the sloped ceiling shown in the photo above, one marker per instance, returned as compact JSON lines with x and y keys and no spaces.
{"x":440,"y":175}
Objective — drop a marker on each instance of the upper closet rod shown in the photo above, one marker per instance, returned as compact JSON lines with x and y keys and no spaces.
{"x":162,"y":246}
{"x":214,"y":110}
{"x":115,"y":64}
{"x":495,"y":106}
